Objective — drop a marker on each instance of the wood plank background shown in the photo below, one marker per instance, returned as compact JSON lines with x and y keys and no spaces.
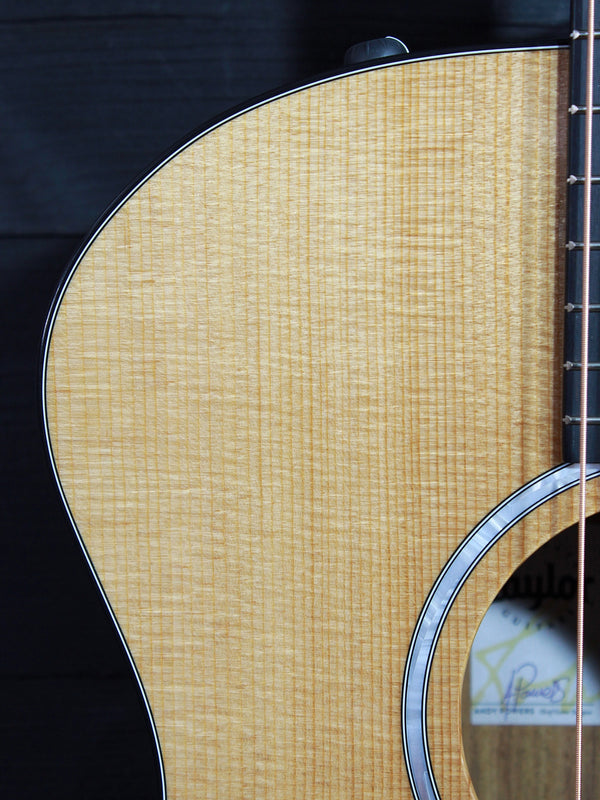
{"x":90,"y":94}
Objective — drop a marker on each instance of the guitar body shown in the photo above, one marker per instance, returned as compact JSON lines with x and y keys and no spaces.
{"x":286,"y":378}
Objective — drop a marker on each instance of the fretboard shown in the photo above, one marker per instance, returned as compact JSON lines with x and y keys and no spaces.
{"x":575,"y":216}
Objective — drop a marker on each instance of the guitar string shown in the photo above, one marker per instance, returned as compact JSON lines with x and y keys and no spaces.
{"x":585,"y":301}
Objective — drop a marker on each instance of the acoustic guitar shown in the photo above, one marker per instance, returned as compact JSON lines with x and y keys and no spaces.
{"x":305,"y":398}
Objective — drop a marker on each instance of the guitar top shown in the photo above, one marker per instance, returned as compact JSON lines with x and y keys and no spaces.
{"x":286,"y":378}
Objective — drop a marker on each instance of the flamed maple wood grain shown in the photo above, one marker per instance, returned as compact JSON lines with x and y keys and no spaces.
{"x":286,"y":379}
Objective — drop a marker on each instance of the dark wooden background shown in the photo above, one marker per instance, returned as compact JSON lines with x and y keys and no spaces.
{"x":91,"y":93}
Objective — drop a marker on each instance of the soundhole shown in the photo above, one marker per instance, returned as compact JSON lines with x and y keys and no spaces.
{"x":518,"y":704}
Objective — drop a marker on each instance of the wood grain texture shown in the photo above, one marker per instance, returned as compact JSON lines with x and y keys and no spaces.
{"x":286,"y":380}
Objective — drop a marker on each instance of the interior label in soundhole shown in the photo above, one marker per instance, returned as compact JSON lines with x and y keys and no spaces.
{"x":523,"y":659}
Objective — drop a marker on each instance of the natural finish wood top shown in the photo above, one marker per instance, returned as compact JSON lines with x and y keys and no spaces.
{"x":286,"y":380}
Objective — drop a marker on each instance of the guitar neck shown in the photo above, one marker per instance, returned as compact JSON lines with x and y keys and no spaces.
{"x":574,"y":265}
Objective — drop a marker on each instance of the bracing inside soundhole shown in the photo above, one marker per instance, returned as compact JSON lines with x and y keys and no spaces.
{"x":518,"y":703}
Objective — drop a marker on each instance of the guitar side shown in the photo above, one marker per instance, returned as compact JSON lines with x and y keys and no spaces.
{"x":285,"y":380}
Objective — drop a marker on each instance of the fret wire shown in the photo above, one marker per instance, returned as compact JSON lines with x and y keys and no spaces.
{"x":580,"y":245}
{"x":583,"y":34}
{"x":568,"y":365}
{"x":575,"y":109}
{"x":569,"y":307}
{"x":573,"y":179}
